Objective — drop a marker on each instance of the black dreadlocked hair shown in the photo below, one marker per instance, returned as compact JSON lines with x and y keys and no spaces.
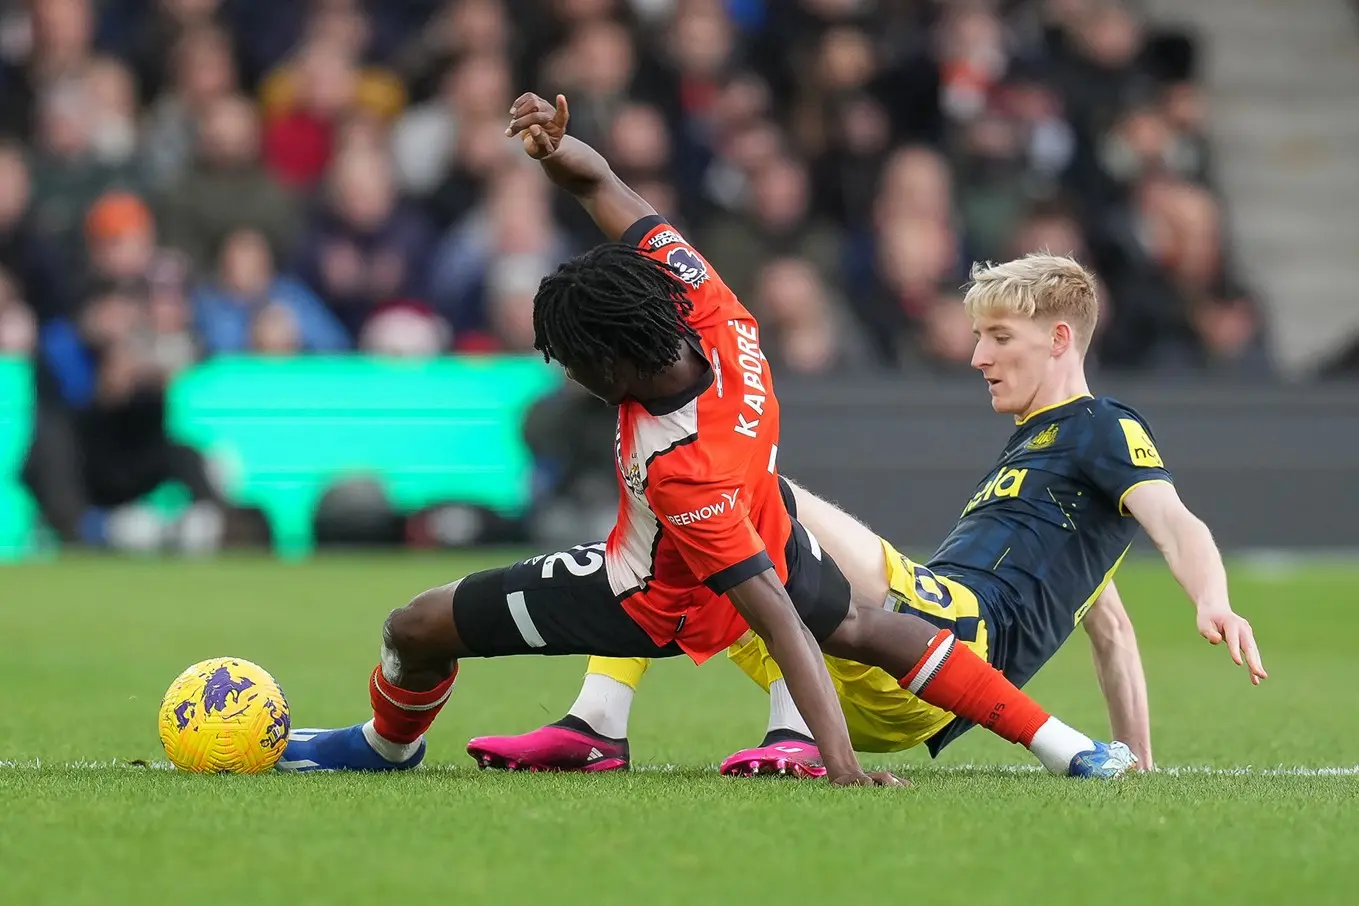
{"x":612,"y":303}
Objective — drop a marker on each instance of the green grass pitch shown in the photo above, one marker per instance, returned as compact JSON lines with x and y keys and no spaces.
{"x":87,"y":647}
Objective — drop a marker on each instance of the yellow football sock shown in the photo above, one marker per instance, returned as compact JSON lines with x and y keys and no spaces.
{"x":627,"y":670}
{"x":752,"y":656}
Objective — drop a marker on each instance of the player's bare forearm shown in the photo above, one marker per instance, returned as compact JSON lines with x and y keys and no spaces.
{"x":1186,"y":543}
{"x":764,"y":603}
{"x":1118,"y":666}
{"x":1194,"y":560}
{"x":583,"y":171}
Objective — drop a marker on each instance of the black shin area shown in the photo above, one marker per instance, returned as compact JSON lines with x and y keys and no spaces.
{"x":552,"y":605}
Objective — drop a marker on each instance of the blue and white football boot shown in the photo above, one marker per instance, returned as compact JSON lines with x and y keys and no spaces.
{"x":1104,"y":762}
{"x":346,"y":749}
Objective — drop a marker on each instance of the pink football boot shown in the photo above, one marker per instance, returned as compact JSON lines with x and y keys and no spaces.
{"x":787,"y":757}
{"x":556,"y":747}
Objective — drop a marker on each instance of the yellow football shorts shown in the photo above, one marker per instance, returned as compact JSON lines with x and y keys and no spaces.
{"x":883,"y":717}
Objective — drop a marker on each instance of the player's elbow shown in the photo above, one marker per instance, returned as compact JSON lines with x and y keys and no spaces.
{"x":763,"y":603}
{"x":1109,"y":628}
{"x":1108,"y":623}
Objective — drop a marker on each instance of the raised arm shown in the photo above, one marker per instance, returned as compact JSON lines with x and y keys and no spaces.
{"x":1194,"y":560}
{"x":574,"y":165}
{"x":1118,"y":665}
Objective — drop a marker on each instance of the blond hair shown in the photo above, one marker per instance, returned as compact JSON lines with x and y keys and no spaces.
{"x":1051,"y":287}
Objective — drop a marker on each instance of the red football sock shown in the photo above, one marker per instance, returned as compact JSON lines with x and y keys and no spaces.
{"x":399,"y":715}
{"x":951,"y":676}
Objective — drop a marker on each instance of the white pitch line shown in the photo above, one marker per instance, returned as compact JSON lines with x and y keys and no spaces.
{"x":1172,"y":771}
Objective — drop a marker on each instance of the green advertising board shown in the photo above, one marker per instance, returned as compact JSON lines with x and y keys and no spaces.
{"x":427,"y":430}
{"x":16,"y":427}
{"x":283,"y":431}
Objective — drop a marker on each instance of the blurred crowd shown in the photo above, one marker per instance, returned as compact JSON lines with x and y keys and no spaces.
{"x":316,"y":175}
{"x":183,"y":178}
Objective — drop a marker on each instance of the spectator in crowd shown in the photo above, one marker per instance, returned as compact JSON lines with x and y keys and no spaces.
{"x":249,"y":306}
{"x":227,"y":189}
{"x":946,"y":340}
{"x":1183,"y":108}
{"x":596,"y":67}
{"x":478,"y":156}
{"x":100,"y":442}
{"x":18,"y":326}
{"x":33,"y":262}
{"x":511,"y":283}
{"x":725,"y":183}
{"x":113,"y":107}
{"x":1099,"y":73}
{"x":202,"y":72}
{"x":68,"y":172}
{"x":476,"y":90}
{"x":973,"y":59}
{"x":120,"y":242}
{"x":843,"y":64}
{"x":846,"y":170}
{"x":1230,"y":333}
{"x":158,"y":35}
{"x":169,"y":340}
{"x":513,"y":228}
{"x":126,"y":263}
{"x":59,"y":42}
{"x":992,"y":183}
{"x":364,"y":246}
{"x":803,"y":326}
{"x":458,"y":28}
{"x":308,"y":100}
{"x":914,"y":249}
{"x":274,"y":331}
{"x":405,"y":329}
{"x":778,"y":222}
{"x":917,"y":257}
{"x":639,"y":142}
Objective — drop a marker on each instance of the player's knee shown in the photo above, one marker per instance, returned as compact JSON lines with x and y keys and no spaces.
{"x":854,"y":547}
{"x":421,"y":628}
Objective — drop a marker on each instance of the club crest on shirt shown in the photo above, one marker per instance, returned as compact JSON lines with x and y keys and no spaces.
{"x":631,"y":471}
{"x":1043,"y":439}
{"x":687,"y":265}
{"x":632,"y":477}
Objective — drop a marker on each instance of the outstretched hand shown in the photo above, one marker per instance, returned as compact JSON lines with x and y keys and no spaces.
{"x":540,"y":125}
{"x":1219,"y":626}
{"x":874,"y":778}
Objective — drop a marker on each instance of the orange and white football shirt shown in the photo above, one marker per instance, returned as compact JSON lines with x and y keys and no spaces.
{"x":700,"y":509}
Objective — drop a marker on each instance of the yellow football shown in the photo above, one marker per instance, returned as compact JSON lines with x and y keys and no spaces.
{"x":224,"y":716}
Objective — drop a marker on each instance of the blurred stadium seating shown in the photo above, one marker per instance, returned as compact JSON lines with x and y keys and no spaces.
{"x":182,"y":179}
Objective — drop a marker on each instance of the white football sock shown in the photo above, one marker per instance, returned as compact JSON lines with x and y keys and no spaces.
{"x":783,"y":714}
{"x":1055,"y":744}
{"x":604,"y":703}
{"x":392,"y":751}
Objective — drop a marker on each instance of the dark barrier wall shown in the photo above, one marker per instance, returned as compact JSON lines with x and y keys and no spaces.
{"x":1264,"y":467}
